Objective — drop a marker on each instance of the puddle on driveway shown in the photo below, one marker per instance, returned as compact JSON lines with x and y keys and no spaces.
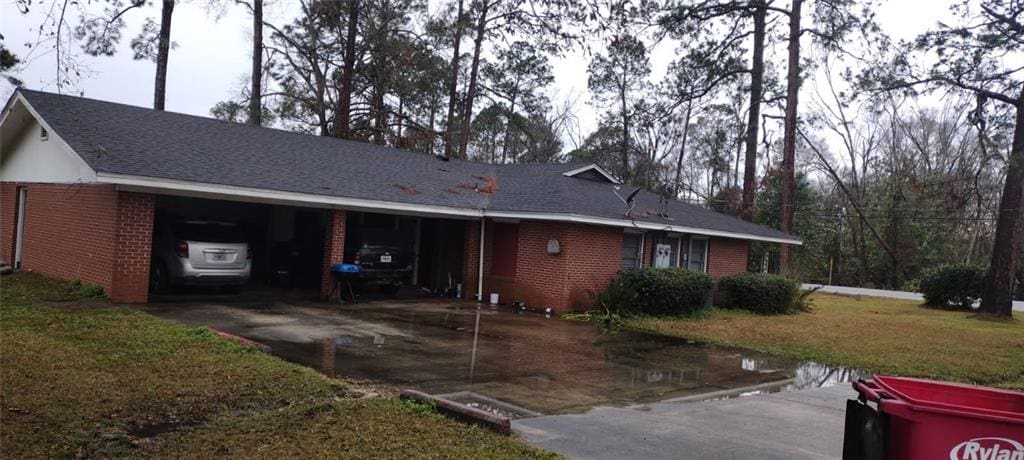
{"x":517,"y":364}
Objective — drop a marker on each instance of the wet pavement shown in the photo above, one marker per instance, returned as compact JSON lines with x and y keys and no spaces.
{"x":518,"y":364}
{"x":806,"y":424}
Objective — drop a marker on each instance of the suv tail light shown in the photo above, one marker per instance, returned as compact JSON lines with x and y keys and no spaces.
{"x":356,"y":258}
{"x":248,"y":252}
{"x":183,"y":249}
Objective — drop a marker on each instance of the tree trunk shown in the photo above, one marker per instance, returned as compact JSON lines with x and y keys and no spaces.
{"x":467,"y":110}
{"x":624,"y":153}
{"x":163,"y":51}
{"x":789,"y":141}
{"x":682,"y":150}
{"x":256,"y":91}
{"x":740,"y":140}
{"x":756,"y":90}
{"x":380,"y":124}
{"x":508,"y":127}
{"x":343,"y":115}
{"x":453,"y":85}
{"x":997,"y":296}
{"x":432,"y":123}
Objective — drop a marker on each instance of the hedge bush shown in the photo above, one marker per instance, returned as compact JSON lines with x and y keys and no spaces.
{"x":761,"y":293}
{"x":657,"y":291}
{"x":952,"y":286}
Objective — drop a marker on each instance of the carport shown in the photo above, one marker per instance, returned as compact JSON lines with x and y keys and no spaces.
{"x":293,"y":247}
{"x":428,"y":251}
{"x":286,"y":242}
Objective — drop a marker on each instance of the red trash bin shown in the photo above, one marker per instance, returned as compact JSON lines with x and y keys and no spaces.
{"x":927,"y":419}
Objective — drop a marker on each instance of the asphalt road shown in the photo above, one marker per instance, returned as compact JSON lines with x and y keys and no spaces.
{"x":1018,"y":305}
{"x":806,"y":424}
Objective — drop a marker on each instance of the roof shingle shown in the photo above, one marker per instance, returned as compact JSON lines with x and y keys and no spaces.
{"x":123,"y":139}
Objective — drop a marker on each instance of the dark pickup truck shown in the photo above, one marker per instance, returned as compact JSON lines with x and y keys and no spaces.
{"x":381,"y":261}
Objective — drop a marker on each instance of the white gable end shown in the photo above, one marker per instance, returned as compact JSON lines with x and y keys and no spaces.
{"x":26,"y":155}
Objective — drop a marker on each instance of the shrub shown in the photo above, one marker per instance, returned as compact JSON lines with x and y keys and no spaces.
{"x":952,"y":286}
{"x":911,"y":285}
{"x":761,"y":293}
{"x":657,"y":291}
{"x":84,"y":290}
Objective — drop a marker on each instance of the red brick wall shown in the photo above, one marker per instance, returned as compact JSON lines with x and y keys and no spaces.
{"x":595,"y":255}
{"x":590,"y":256}
{"x":70,"y":231}
{"x":87,"y":232}
{"x":541,"y":279}
{"x":334,"y":250}
{"x":133,"y":248}
{"x":727,"y":256}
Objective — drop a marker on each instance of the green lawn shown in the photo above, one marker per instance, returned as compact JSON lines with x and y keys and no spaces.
{"x":877,"y":335}
{"x":82,"y":378}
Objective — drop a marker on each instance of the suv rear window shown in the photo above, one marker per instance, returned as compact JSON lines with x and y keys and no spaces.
{"x":207,"y":231}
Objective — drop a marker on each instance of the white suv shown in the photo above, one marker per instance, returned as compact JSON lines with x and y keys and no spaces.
{"x":199,"y":252}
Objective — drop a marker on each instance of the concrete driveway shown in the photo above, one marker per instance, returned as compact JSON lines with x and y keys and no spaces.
{"x":572,"y":387}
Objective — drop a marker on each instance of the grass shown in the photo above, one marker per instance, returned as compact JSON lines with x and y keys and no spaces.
{"x":114,"y":382}
{"x":877,"y":335}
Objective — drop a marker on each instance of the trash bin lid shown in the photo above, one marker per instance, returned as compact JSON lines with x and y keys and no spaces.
{"x":969,"y":399}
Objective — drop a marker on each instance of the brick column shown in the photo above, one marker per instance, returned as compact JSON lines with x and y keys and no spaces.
{"x":134,"y":243}
{"x":471,"y":260}
{"x":334,"y":250}
{"x":648,"y":256}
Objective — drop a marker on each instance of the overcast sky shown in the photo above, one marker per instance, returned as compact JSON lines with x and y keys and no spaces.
{"x":211,"y":60}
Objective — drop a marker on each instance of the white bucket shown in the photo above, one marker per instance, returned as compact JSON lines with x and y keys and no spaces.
{"x":494,"y":298}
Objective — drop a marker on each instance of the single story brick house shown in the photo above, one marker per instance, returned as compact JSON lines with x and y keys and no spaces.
{"x":83,"y":181}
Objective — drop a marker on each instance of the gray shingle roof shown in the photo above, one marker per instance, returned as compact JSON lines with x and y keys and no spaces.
{"x":122,"y":139}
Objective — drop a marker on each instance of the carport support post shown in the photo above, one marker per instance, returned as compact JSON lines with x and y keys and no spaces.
{"x":480,"y":264}
{"x":334,"y":251}
{"x":133,"y":244}
{"x":416,"y":252}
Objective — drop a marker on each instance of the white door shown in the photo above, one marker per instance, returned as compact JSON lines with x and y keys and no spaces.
{"x":662,"y":255}
{"x":19,"y":240}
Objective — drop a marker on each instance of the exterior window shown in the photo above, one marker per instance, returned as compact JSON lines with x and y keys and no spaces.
{"x":698,"y":255}
{"x":632,"y":244}
{"x":43,"y":134}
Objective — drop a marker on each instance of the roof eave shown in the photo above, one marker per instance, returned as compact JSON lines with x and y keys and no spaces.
{"x":202,"y":189}
{"x":638,"y":224}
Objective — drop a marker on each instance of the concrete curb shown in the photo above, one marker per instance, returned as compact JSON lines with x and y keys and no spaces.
{"x":241,"y":340}
{"x":461,"y":412}
{"x":458,"y":395}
